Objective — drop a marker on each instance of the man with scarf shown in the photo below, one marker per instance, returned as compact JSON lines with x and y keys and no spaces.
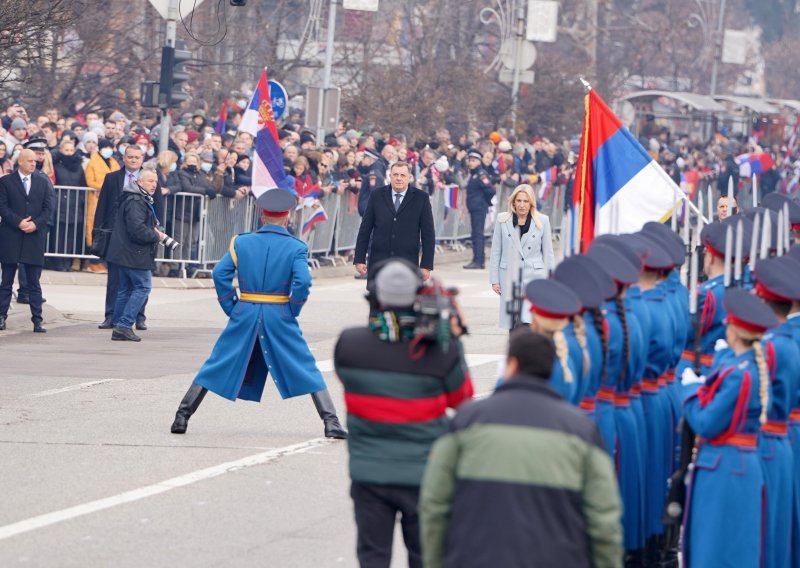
{"x":132,"y":251}
{"x":398,"y":385}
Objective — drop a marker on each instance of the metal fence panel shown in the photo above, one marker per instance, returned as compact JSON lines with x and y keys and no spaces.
{"x":347,"y":223}
{"x":226,"y":218}
{"x":66,"y":237}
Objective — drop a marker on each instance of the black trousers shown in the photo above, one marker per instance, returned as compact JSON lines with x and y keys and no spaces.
{"x":478,"y":221}
{"x":376,"y":508}
{"x":112,"y":288}
{"x":34,"y":289}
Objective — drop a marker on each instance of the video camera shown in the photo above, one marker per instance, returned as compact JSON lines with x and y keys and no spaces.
{"x":434,"y":307}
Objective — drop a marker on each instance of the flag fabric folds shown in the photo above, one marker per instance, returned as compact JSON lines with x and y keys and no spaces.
{"x":618,"y":185}
{"x":548,"y":178}
{"x":223,"y":118}
{"x":259,"y":121}
{"x":318,"y":216}
{"x":754,"y":163}
{"x":451,"y":197}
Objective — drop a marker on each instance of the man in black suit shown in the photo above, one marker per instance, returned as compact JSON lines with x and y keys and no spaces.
{"x":26,"y":205}
{"x":106,"y":212}
{"x":399,"y":220}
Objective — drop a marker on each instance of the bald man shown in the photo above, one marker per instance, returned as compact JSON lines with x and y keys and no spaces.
{"x":26,"y":205}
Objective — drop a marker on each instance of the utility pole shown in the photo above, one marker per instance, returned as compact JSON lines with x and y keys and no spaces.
{"x":326,"y":79}
{"x":163,"y":98}
{"x":718,"y":35}
{"x":517,"y":54}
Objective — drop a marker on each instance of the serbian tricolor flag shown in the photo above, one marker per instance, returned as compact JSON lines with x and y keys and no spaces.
{"x":548,"y":178}
{"x":318,"y":216}
{"x":223,"y":118}
{"x":259,"y":121}
{"x":451,"y":197}
{"x":754,"y":163}
{"x":618,"y":185}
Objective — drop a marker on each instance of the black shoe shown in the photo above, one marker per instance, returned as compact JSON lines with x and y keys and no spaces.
{"x":2,"y":323}
{"x":124,"y":334}
{"x":141,"y":326}
{"x":360,"y":276}
{"x":473,"y":266}
{"x":191,"y":400}
{"x":326,"y":410}
{"x":38,"y":328}
{"x":107,"y":324}
{"x":24,"y":300}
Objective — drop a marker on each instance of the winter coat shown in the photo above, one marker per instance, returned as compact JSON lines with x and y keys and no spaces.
{"x":134,"y":238}
{"x":15,"y":245}
{"x":95,"y":173}
{"x":70,"y":203}
{"x":188,"y":208}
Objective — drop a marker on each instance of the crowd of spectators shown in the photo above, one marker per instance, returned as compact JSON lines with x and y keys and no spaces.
{"x":213,"y":159}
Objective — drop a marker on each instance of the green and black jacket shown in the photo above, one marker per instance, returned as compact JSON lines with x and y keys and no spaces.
{"x":396,"y":404}
{"x":520,"y":479}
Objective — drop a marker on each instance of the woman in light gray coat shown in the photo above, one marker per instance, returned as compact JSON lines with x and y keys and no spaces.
{"x":521,"y":237}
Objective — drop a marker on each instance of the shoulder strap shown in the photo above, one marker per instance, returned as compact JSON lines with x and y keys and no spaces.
{"x":232,"y":250}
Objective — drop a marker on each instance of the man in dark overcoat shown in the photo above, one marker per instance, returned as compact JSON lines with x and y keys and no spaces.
{"x":26,"y":205}
{"x":399,"y":220}
{"x":105,"y":216}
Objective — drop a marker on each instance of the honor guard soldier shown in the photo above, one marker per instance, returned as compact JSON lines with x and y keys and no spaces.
{"x":776,"y":201}
{"x":778,"y":284}
{"x":480,"y":193}
{"x":726,"y":411}
{"x":262,"y":336}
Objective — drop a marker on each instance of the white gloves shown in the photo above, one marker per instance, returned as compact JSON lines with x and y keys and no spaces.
{"x":689,"y":377}
{"x":720,"y":345}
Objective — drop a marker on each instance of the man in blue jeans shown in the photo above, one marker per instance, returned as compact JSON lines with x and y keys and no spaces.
{"x":132,"y":251}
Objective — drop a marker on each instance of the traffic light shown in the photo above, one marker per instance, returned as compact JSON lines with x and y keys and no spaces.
{"x":173,"y":75}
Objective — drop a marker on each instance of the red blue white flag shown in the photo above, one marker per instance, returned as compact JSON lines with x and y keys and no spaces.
{"x":223,"y":118}
{"x":754,"y":163}
{"x":318,"y":216}
{"x":618,"y":185}
{"x":548,"y":178}
{"x":259,"y":121}
{"x":451,"y":197}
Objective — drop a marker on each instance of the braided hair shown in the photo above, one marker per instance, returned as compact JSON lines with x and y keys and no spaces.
{"x":554,"y":328}
{"x":580,"y":335}
{"x":763,"y":380}
{"x":623,"y":318}
{"x":599,"y":325}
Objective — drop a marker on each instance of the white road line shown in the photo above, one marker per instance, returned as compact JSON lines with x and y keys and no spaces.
{"x":473,"y":360}
{"x":69,"y":513}
{"x":74,"y":387}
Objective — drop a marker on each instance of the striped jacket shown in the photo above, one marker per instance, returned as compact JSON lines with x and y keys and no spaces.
{"x":395,"y":404}
{"x":520,"y":479}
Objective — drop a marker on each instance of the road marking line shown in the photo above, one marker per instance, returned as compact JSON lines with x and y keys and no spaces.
{"x":69,"y":513}
{"x":74,"y":387}
{"x":473,"y":360}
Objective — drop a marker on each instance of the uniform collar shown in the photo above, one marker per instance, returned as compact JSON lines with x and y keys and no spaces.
{"x":274,"y":229}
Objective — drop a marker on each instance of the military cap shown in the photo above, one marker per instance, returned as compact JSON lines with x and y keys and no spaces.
{"x":617,"y":243}
{"x":614,"y":263}
{"x":475,"y":154}
{"x":579,"y":277}
{"x":605,"y":284}
{"x":773,"y":217}
{"x":713,"y":238}
{"x":657,"y":257}
{"x":35,"y":144}
{"x":552,"y":299}
{"x":668,"y":239}
{"x":775,"y":202}
{"x":794,"y":252}
{"x":747,"y":311}
{"x":276,"y":202}
{"x":778,"y":279}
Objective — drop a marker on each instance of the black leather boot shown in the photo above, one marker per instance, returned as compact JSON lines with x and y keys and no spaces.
{"x":191,"y":400}
{"x":326,"y":410}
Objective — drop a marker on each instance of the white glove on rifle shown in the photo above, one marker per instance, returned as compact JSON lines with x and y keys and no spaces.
{"x":689,"y":377}
{"x":720,"y":345}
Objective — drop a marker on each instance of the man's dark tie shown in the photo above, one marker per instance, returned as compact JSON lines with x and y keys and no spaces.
{"x":397,"y":198}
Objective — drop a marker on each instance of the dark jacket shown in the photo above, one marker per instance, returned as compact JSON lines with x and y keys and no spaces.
{"x":134,"y":239}
{"x":398,"y":234}
{"x":372,"y":178}
{"x":525,"y":472}
{"x":188,"y":208}
{"x":16,"y":246}
{"x":380,"y":378}
{"x":480,"y":190}
{"x":69,"y":206}
{"x":110,"y":194}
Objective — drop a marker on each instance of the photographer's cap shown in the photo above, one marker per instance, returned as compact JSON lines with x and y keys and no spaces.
{"x":276,"y":202}
{"x":396,"y":284}
{"x":371,"y":154}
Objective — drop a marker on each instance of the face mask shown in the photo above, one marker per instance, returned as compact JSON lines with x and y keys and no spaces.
{"x":151,"y":151}
{"x":205,"y":166}
{"x":143,"y":148}
{"x":173,"y":167}
{"x":121,"y":150}
{"x":106,"y":153}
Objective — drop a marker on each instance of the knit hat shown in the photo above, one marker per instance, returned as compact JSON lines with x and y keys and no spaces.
{"x":396,"y":284}
{"x":191,"y":136}
{"x":18,"y":124}
{"x":504,"y":146}
{"x":442,"y":164}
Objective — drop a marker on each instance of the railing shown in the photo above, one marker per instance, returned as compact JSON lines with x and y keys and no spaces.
{"x":204,"y":227}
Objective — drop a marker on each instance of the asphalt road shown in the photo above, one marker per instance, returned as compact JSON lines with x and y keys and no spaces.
{"x":91,"y":476}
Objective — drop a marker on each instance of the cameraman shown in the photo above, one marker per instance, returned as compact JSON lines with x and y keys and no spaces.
{"x":133,"y":251}
{"x":398,"y":384}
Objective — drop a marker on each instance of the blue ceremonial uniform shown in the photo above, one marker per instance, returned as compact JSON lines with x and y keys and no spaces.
{"x":262,"y":338}
{"x":604,"y":411}
{"x":793,"y":322}
{"x":580,"y":382}
{"x":724,"y":518}
{"x":594,"y":343}
{"x":712,"y":325}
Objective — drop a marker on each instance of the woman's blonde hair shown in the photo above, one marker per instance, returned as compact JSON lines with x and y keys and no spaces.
{"x":754,"y":338}
{"x":528,"y":190}
{"x":554,"y":327}
{"x":165,"y":160}
{"x":580,"y":335}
